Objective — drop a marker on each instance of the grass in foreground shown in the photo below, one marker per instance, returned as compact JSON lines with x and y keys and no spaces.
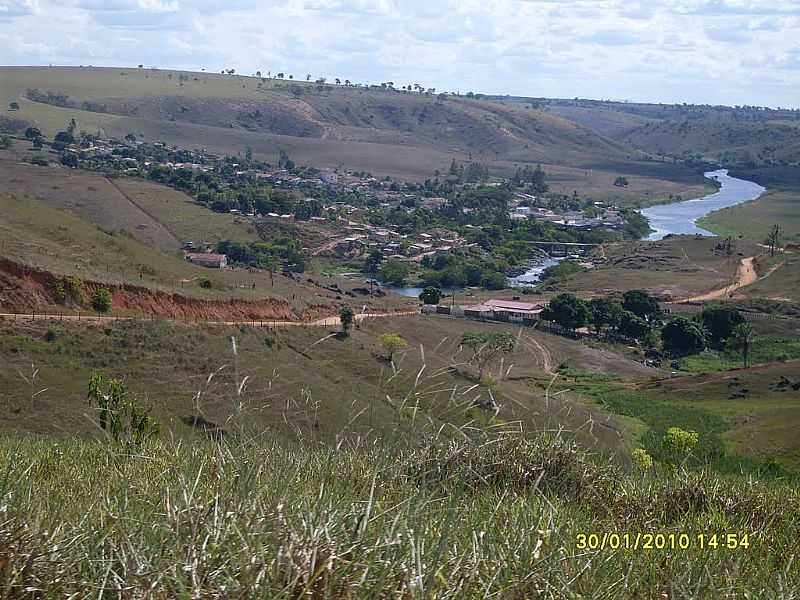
{"x":468,"y":514}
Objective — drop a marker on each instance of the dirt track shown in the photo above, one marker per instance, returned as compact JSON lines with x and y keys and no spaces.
{"x":326,"y":322}
{"x":745,"y":275}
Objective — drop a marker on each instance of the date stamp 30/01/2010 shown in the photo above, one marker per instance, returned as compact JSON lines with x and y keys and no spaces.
{"x":662,"y":541}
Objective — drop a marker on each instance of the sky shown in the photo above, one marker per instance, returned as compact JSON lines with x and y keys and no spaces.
{"x":730,"y":52}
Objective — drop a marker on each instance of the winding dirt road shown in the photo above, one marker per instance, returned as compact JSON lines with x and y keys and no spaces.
{"x":745,"y":275}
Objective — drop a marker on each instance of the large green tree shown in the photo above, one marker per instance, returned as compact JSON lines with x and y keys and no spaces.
{"x":394,"y":272}
{"x":720,"y":322}
{"x":431,"y":295}
{"x":642,"y":304}
{"x":604,"y":312}
{"x":567,"y":310}
{"x":683,"y":336}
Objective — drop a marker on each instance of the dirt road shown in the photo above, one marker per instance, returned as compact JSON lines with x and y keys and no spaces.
{"x":88,"y":319}
{"x":544,"y":353}
{"x":745,"y":275}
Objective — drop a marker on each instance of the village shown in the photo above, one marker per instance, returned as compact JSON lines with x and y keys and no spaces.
{"x":361,"y":215}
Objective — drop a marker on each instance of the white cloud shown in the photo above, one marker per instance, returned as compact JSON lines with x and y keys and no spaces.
{"x":721,"y":51}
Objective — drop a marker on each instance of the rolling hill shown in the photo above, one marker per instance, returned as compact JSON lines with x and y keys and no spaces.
{"x":386,"y":131}
{"x":733,"y":136}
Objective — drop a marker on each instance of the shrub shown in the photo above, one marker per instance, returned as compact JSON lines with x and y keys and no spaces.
{"x":678,"y":444}
{"x":68,"y":289}
{"x":392,"y":342}
{"x":642,"y":459}
{"x":118,"y":414}
{"x":205,"y":284}
{"x":346,"y":316}
{"x":101,"y":300}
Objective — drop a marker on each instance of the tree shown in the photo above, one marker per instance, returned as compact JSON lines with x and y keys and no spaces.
{"x":568,"y":311}
{"x":486,"y":346}
{"x":621,"y":181}
{"x":642,"y":304}
{"x":69,"y":159}
{"x":494,"y":280}
{"x":394,"y":272}
{"x":32,"y":133}
{"x":270,"y":263}
{"x":101,"y":300}
{"x":632,"y":327}
{"x":392,"y":342}
{"x":742,"y":340}
{"x":373,"y":262}
{"x":64,"y":138}
{"x":346,"y":317}
{"x":604,"y":311}
{"x":774,"y":239}
{"x":720,"y":322}
{"x":683,"y":336}
{"x":431,"y":295}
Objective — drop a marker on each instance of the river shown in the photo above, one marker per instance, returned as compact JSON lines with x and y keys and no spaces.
{"x":681,"y":217}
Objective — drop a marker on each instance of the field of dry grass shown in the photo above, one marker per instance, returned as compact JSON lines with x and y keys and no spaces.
{"x":305,"y":375}
{"x":676,"y":267}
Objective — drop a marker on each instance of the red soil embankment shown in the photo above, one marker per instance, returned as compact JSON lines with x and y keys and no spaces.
{"x":24,"y":289}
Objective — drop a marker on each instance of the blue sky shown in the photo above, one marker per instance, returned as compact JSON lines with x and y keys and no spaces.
{"x":714,"y":51}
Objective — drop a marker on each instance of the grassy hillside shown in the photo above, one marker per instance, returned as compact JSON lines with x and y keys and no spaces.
{"x":405,"y":135}
{"x":156,"y":215}
{"x":475,"y":516}
{"x":308,"y":382}
{"x":297,"y":378}
{"x":43,"y":242}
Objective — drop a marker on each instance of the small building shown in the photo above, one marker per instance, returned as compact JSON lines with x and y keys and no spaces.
{"x":210,"y":260}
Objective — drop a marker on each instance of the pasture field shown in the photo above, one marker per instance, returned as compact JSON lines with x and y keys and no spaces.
{"x":754,"y":220}
{"x":156,"y":215}
{"x":676,"y":267}
{"x":309,"y":378}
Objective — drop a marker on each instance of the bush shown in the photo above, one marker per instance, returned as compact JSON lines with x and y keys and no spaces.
{"x":68,"y":289}
{"x":119,"y":415}
{"x":205,"y":284}
{"x":101,"y":300}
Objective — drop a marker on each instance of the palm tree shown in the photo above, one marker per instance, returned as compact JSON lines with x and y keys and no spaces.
{"x":742,"y":340}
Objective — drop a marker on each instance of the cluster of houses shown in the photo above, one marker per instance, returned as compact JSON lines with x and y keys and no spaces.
{"x":492,"y":310}
{"x":365,"y":237}
{"x":526,"y":207}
